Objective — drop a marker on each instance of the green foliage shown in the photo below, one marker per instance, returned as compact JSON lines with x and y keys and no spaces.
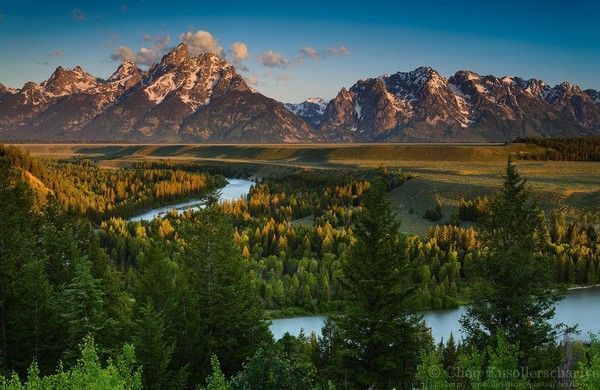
{"x":587,"y":374}
{"x":382,"y":337}
{"x":84,"y":307}
{"x":88,"y":373}
{"x":188,"y":287}
{"x":270,"y":369}
{"x":155,"y":351}
{"x":218,"y":309}
{"x":216,"y":380}
{"x":514,"y":289}
{"x":431,"y":373}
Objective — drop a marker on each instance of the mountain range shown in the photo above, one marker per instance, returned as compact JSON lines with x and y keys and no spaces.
{"x":201,"y":99}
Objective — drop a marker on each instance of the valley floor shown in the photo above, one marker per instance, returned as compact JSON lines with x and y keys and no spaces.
{"x":447,"y":172}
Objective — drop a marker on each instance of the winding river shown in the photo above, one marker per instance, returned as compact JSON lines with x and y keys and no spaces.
{"x":234,"y":189}
{"x":581,"y":306}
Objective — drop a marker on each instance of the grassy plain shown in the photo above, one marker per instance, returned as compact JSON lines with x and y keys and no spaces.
{"x":445,"y":171}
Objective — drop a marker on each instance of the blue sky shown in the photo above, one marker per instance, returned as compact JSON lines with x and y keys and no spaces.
{"x":343,"y":41}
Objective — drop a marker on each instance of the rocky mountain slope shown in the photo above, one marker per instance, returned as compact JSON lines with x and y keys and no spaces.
{"x":185,"y":98}
{"x":423,"y":106}
{"x":182,"y":98}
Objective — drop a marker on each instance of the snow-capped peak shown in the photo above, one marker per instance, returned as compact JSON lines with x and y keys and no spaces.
{"x":127,"y":68}
{"x":176,"y":56}
{"x":312,"y":109}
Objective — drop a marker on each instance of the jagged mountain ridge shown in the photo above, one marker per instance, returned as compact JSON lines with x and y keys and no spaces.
{"x":423,"y":106}
{"x":183,"y":98}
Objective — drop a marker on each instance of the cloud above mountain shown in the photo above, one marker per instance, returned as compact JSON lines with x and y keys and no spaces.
{"x":313,"y":54}
{"x":201,"y":42}
{"x":239,"y":51}
{"x":148,"y":56}
{"x":273,"y":59}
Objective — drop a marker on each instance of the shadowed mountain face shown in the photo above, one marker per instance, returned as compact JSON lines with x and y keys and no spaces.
{"x":186,"y":98}
{"x":181,"y":98}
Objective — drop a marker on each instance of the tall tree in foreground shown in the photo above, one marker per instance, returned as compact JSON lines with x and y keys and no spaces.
{"x":220,"y":311}
{"x":382,"y":337}
{"x":513,"y":290}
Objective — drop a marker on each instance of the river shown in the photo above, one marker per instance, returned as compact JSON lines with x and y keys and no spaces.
{"x":234,"y":189}
{"x":579,"y":307}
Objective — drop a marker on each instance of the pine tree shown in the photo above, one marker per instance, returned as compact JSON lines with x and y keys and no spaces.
{"x":216,"y":380}
{"x":220,"y":311}
{"x":503,"y":370}
{"x":513,"y":288}
{"x":154,"y":351}
{"x":383,"y":337}
{"x":84,"y":308}
{"x":430,"y":372}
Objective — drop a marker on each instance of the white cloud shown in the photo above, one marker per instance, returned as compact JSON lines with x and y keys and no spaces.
{"x":309,"y":52}
{"x":56,"y":53}
{"x":252,"y":80}
{"x":239,"y":51}
{"x":145,"y":55}
{"x":313,"y":54}
{"x":201,"y":42}
{"x":338,"y":51}
{"x":272,"y":59}
{"x":123,"y":53}
{"x":78,"y":14}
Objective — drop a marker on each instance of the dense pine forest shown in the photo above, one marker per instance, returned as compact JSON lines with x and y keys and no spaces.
{"x":564,"y":149}
{"x":90,"y":300}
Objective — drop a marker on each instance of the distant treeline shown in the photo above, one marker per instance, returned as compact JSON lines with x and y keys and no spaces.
{"x":563,"y":149}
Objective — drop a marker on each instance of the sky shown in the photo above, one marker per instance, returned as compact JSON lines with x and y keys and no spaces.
{"x":298,"y":49}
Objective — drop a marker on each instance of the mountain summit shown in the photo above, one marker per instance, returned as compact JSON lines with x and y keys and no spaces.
{"x":182,"y":98}
{"x":186,"y":98}
{"x":423,"y":106}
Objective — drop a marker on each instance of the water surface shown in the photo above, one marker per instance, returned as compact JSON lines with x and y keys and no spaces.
{"x":235,"y":189}
{"x":581,"y":307}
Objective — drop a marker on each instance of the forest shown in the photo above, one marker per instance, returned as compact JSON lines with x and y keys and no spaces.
{"x":563,"y":149}
{"x":92,"y":300}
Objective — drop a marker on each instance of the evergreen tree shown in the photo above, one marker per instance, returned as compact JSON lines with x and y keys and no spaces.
{"x":513,"y":288}
{"x":216,"y":380}
{"x":121,"y":373}
{"x":220,"y":312}
{"x":35,"y":323}
{"x":431,"y":373}
{"x":503,"y":370}
{"x":269,"y":370}
{"x":84,"y":311}
{"x":382,"y":336}
{"x":154,"y":351}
